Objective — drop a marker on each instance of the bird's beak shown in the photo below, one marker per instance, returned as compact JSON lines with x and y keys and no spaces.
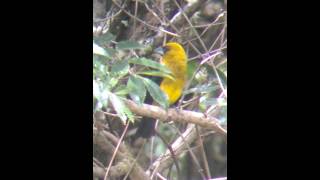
{"x":159,"y":50}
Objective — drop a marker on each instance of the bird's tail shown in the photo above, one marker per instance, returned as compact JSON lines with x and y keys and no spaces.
{"x":146,"y":128}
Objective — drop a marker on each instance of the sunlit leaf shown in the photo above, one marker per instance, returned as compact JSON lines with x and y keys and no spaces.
{"x":202,"y":104}
{"x":156,"y":73}
{"x":121,"y":90}
{"x":101,"y":93}
{"x":202,"y":75}
{"x":122,"y":110}
{"x":99,"y":50}
{"x":111,"y":82}
{"x":96,"y":90}
{"x":118,"y":106}
{"x":99,"y":69}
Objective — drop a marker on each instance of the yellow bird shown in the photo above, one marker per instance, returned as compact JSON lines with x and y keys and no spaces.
{"x":174,"y":58}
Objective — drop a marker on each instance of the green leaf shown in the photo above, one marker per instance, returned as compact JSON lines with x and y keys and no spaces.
{"x":111,"y":82}
{"x":156,"y":93}
{"x":100,"y":51}
{"x":149,"y":63}
{"x":120,"y":68}
{"x":104,"y":39}
{"x":122,"y":45}
{"x":118,"y":106}
{"x":192,"y":66}
{"x":99,"y":68}
{"x":122,"y":110}
{"x":137,"y":89}
{"x":202,"y":103}
{"x":100,"y":93}
{"x":156,"y":73}
{"x":110,"y":51}
{"x":121,"y":90}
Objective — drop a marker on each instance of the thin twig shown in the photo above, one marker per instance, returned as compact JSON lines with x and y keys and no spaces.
{"x":171,"y":23}
{"x":110,"y":114}
{"x":193,"y":156}
{"x":154,"y":28}
{"x":153,"y":13}
{"x":108,"y":17}
{"x":219,"y":79}
{"x":135,"y":19}
{"x":200,"y":55}
{"x":178,"y":147}
{"x":214,"y":22}
{"x":196,"y":71}
{"x":220,"y":34}
{"x":175,"y":161}
{"x":203,"y":154}
{"x":221,"y":63}
{"x":191,"y":25}
{"x":116,"y":150}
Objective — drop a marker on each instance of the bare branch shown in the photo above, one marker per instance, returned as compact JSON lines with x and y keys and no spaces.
{"x":176,"y":115}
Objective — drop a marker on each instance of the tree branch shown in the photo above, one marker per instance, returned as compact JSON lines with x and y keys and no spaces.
{"x":124,"y":159}
{"x":176,"y":115}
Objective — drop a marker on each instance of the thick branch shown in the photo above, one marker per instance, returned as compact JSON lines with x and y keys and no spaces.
{"x":124,"y":159}
{"x":98,"y":171}
{"x":176,"y":115}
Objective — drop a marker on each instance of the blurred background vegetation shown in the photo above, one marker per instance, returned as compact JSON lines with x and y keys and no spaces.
{"x":125,"y":33}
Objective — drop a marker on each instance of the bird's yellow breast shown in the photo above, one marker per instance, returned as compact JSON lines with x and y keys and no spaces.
{"x":174,"y":59}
